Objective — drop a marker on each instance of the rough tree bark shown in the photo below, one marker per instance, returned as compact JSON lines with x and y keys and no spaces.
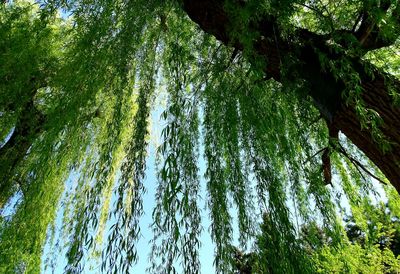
{"x":324,"y":88}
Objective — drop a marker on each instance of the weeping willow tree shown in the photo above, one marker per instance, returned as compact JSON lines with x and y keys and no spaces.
{"x":291,"y":104}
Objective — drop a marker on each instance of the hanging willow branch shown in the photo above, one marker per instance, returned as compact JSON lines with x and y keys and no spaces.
{"x":246,"y":85}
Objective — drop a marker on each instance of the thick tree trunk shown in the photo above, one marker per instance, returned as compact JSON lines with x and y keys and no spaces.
{"x":376,"y":97}
{"x":324,"y":88}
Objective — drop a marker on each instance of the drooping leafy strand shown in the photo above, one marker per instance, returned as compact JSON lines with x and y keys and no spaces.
{"x":217,"y":187}
{"x":31,"y":51}
{"x":235,"y":176}
{"x":129,"y":205}
{"x":24,"y":235}
{"x":177,"y":217}
{"x":22,"y":238}
{"x":266,"y":170}
{"x":113,"y":73}
{"x":93,"y":196}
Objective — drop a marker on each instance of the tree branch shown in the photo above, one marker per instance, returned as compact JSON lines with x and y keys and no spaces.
{"x":325,"y":88}
{"x":358,"y":165}
{"x":29,"y":126}
{"x":370,"y":35}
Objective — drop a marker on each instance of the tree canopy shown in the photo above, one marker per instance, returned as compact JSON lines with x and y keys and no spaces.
{"x":294,"y":106}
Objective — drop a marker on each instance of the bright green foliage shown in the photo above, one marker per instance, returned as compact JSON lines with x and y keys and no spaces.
{"x":77,"y":93}
{"x":371,"y":250}
{"x":374,"y":250}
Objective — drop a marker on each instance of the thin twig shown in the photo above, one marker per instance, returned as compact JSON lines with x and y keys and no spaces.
{"x":315,"y":154}
{"x":357,"y":163}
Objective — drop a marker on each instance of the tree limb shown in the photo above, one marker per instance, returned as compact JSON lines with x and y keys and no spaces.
{"x":325,"y":88}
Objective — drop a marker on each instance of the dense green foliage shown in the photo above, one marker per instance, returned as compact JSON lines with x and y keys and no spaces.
{"x":372,"y":249}
{"x":78,"y":80}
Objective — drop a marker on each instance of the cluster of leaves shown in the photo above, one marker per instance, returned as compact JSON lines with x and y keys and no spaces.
{"x":375,"y":250}
{"x":76,"y":94}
